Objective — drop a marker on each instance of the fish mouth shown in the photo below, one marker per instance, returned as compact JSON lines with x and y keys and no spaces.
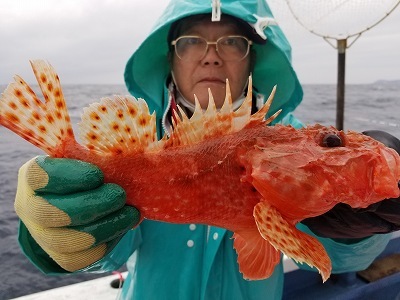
{"x":393,"y":162}
{"x":393,"y":166}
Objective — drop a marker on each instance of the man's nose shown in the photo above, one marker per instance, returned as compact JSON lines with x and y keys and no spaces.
{"x":212,"y":57}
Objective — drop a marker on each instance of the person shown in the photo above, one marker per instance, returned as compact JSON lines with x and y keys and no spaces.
{"x":72,"y":222}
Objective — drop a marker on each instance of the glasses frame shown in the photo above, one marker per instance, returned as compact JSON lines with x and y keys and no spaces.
{"x":215,"y":43}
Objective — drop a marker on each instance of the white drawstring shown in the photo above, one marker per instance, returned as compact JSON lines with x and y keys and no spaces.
{"x":261,"y":24}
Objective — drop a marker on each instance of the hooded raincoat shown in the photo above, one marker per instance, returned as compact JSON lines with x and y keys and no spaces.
{"x":170,"y":261}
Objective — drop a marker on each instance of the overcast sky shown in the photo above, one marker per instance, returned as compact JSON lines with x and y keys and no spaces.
{"x":90,"y":41}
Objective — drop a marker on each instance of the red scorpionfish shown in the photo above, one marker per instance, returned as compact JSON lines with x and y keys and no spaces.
{"x":221,"y":167}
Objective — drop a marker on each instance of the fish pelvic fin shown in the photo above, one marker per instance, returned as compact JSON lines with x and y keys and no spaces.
{"x":44,"y":124}
{"x":291,"y":241}
{"x":119,"y":124}
{"x":213,"y":122}
{"x":257,"y":258}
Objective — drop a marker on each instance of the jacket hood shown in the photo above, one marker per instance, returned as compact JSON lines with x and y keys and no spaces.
{"x":148,"y":68}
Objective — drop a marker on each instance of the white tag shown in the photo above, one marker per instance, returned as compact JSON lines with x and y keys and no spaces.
{"x":216,"y":10}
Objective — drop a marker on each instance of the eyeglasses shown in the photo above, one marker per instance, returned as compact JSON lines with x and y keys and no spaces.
{"x":229,"y":48}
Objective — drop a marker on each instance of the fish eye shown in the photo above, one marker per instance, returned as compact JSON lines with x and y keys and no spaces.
{"x":332,"y":140}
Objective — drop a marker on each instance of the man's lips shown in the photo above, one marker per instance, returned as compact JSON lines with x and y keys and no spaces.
{"x":212,"y":80}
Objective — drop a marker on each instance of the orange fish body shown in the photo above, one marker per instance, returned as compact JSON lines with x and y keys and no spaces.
{"x":220,"y":168}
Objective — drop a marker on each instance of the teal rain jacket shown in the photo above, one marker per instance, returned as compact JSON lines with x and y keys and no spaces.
{"x":169,"y":261}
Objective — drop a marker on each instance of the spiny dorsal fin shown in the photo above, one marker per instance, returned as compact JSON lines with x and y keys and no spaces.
{"x":260,"y":115}
{"x":212,"y":122}
{"x":119,"y":125}
{"x":45,"y":125}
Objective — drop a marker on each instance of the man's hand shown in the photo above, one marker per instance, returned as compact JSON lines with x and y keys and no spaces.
{"x":70,"y":212}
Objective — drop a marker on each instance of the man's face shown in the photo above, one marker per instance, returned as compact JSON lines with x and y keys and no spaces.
{"x":195,"y":77}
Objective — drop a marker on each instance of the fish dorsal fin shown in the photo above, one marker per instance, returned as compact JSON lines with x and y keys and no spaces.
{"x":118,"y":125}
{"x":212,"y":122}
{"x":45,"y":125}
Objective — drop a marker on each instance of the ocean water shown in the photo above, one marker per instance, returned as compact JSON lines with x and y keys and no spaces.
{"x":372,"y":106}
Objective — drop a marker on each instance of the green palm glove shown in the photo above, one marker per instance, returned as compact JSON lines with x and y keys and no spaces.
{"x":69,"y":212}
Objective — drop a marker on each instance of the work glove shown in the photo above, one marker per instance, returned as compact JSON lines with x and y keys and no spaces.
{"x":345,"y":222}
{"x":70,"y":213}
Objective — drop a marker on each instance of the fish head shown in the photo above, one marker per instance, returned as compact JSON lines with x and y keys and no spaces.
{"x":307,"y":171}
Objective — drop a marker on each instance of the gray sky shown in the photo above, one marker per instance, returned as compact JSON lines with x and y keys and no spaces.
{"x":90,"y":41}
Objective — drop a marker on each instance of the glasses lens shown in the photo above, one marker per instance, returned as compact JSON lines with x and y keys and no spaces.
{"x":190,"y":48}
{"x":230,"y":48}
{"x":233,"y":47}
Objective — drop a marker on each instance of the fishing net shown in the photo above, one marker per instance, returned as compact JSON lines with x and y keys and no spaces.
{"x":340,"y":19}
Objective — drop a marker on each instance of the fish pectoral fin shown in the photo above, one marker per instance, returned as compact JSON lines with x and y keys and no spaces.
{"x":287,"y":238}
{"x":257,"y":258}
{"x":119,"y":125}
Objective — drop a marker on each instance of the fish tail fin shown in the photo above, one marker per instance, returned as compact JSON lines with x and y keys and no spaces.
{"x":291,"y":241}
{"x":46,"y":125}
{"x":257,"y":258}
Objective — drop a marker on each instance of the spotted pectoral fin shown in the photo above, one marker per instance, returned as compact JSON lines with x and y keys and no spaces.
{"x":119,"y":125}
{"x":292,"y":242}
{"x":257,"y":258}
